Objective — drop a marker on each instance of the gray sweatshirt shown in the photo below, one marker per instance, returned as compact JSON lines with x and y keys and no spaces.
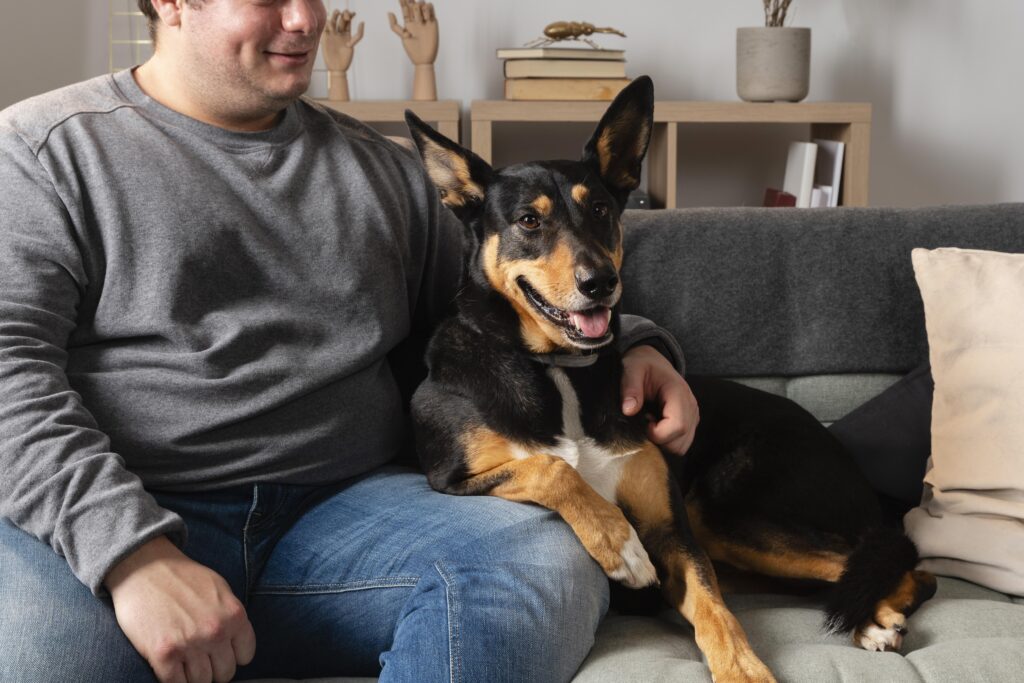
{"x":188,"y":308}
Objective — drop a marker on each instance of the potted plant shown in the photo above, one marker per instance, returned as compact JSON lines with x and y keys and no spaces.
{"x":773,"y":62}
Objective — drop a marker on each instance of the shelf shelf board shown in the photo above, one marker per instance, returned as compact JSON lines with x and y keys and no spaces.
{"x":677,"y":111}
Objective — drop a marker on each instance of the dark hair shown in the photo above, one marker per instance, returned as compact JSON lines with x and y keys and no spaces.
{"x":146,"y":7}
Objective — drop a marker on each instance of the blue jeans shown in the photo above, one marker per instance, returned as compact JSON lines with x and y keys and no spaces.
{"x":379,"y":575}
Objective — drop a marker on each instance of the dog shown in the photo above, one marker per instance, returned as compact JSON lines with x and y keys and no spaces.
{"x":522,"y":401}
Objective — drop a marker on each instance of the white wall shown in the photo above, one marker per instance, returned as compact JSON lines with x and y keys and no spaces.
{"x":944,"y":77}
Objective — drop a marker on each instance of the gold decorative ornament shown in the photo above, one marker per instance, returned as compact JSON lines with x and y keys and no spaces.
{"x":559,"y":31}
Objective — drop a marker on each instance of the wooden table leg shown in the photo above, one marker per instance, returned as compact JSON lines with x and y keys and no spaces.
{"x":661,"y":165}
{"x":480,"y":139}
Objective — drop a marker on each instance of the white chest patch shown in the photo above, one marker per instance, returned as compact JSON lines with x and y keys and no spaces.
{"x":599,"y":466}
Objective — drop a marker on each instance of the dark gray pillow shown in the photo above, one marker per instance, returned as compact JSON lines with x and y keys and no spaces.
{"x":890,"y":436}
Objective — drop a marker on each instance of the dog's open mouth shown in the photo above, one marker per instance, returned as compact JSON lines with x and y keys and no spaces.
{"x":589,"y":328}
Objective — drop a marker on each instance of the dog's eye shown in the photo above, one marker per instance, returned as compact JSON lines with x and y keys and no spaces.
{"x":528,"y":221}
{"x":599,"y":209}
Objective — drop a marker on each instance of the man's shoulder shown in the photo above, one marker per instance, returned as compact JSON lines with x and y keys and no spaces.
{"x":355,"y":130}
{"x":33,"y":119}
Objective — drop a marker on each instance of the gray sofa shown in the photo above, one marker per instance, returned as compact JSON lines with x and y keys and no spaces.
{"x":820,"y":305}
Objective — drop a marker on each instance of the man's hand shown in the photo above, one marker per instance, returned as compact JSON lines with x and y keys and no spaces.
{"x":648,"y":376}
{"x":181,"y":616}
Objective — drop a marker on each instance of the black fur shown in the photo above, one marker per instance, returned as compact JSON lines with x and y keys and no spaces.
{"x":764,"y":471}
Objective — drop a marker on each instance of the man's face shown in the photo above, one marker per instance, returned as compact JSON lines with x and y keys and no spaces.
{"x":251,"y":55}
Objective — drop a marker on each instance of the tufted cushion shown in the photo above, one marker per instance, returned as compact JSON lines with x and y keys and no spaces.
{"x":963,"y":630}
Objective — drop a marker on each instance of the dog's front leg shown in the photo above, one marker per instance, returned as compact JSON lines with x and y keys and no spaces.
{"x":654,"y":504}
{"x":501,"y":468}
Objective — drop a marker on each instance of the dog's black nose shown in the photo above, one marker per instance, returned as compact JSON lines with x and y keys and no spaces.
{"x":597,"y":283}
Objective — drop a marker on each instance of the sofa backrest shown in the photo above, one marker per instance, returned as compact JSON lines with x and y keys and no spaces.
{"x":792,"y":298}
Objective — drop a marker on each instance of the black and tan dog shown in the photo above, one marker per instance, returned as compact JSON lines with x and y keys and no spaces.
{"x":523,"y":402}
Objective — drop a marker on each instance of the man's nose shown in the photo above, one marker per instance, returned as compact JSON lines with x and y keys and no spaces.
{"x":303,"y":16}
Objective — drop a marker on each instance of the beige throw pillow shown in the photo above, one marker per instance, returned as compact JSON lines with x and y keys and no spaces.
{"x":970,"y":523}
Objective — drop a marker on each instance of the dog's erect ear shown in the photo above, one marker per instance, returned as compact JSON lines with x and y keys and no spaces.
{"x":461,"y":176}
{"x":619,"y":144}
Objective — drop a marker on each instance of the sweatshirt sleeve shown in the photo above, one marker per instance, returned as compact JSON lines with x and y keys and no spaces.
{"x":444,"y":264}
{"x":59,"y":480}
{"x":636,"y":331}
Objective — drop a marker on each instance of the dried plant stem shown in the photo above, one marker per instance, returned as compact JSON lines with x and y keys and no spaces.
{"x":775,"y":12}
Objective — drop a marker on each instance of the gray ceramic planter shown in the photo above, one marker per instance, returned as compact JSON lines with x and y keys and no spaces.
{"x":773,"y":63}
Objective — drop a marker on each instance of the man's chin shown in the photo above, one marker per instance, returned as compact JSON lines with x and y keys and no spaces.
{"x":280,"y":84}
{"x":284,"y":94}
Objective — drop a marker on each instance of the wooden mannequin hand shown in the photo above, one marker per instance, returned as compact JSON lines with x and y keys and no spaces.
{"x":338,"y":41}
{"x":419,"y":35}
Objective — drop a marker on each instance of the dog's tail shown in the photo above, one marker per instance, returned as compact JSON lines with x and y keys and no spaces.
{"x":881,"y":568}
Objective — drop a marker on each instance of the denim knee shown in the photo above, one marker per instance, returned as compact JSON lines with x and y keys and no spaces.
{"x":525,"y":601}
{"x":52,"y":628}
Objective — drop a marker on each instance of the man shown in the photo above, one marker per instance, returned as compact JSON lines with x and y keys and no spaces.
{"x":207,"y":290}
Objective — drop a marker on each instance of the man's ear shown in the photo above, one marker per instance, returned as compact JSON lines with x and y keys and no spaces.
{"x":619,"y":143}
{"x":461,"y":176}
{"x":169,"y":11}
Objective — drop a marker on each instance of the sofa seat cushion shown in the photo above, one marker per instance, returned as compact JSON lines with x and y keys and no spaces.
{"x":965,"y":632}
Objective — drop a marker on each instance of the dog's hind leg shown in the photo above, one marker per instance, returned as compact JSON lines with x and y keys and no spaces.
{"x":878,"y":590}
{"x":875,"y":586}
{"x":654,"y":504}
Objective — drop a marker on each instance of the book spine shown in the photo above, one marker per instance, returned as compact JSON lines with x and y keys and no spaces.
{"x":563,"y":68}
{"x":563,"y":88}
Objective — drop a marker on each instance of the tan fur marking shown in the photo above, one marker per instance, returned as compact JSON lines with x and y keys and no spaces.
{"x":787,"y":564}
{"x":718,"y":633}
{"x":604,"y":149}
{"x":485,"y":450}
{"x":886,"y":617}
{"x":777,"y":561}
{"x":903,"y":596}
{"x":618,"y":255}
{"x":604,"y":159}
{"x":553,"y":483}
{"x":547,"y":276}
{"x":644,"y":490}
{"x":913,"y":588}
{"x":450,"y":173}
{"x":543,"y":205}
{"x":642,"y":486}
{"x":580,"y":194}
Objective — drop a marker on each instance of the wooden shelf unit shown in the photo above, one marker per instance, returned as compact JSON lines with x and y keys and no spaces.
{"x":847,"y":122}
{"x":443,"y":113}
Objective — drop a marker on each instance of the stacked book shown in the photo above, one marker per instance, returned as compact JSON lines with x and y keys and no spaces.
{"x":563,"y":73}
{"x":813,"y":174}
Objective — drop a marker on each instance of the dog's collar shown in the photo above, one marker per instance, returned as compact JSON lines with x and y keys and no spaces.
{"x":565,"y":360}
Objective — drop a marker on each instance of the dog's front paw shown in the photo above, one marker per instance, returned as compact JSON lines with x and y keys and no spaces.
{"x":636,"y":570}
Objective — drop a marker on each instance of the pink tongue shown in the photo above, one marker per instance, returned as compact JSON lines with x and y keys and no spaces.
{"x":593,"y":323}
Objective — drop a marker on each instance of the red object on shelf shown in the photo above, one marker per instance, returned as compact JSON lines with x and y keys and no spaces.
{"x":773,"y":197}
